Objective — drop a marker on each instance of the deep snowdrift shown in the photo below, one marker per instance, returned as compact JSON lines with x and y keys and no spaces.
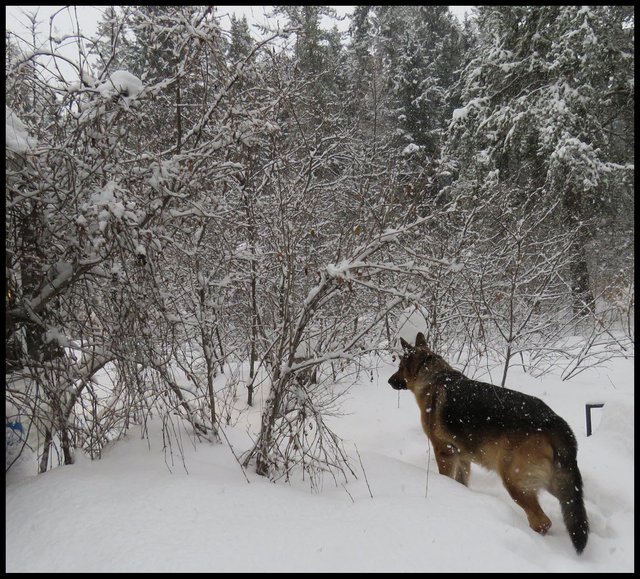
{"x":130,"y":512}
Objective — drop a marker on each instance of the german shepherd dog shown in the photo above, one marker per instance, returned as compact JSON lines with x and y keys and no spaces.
{"x":514,"y":434}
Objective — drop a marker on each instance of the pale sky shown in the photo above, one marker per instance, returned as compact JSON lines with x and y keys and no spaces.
{"x":66,"y":19}
{"x":88,"y":16}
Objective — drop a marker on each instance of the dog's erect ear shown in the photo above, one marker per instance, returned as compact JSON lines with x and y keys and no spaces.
{"x":405,"y":345}
{"x":420,"y":340}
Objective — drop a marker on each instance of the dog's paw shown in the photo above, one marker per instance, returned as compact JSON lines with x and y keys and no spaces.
{"x":541,"y":527}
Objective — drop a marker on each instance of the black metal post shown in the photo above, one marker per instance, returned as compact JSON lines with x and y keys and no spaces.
{"x":588,"y":408}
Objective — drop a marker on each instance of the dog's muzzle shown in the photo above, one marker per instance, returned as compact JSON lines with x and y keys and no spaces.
{"x":397,"y":383}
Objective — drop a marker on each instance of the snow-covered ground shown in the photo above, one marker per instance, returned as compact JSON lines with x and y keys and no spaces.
{"x":131,"y":512}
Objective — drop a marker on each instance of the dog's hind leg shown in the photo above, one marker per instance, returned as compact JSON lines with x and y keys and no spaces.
{"x":525,"y":471}
{"x":528,"y":500}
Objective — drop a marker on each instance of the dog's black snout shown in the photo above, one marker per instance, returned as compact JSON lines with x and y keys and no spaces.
{"x":397,"y":382}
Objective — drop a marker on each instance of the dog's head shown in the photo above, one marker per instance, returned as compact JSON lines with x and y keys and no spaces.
{"x":415,"y":365}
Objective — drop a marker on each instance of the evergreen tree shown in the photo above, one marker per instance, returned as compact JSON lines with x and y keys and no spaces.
{"x":240,"y":44}
{"x":534,"y":116}
{"x":112,"y":44}
{"x":429,"y":53}
{"x":317,"y":54}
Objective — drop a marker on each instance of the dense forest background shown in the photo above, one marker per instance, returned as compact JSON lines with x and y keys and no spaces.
{"x":199,"y":203}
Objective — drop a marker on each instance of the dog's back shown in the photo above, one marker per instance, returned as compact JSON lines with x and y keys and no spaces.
{"x":475,"y":411}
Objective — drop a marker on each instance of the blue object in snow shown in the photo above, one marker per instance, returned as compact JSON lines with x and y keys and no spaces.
{"x":15,"y":436}
{"x":16,"y":426}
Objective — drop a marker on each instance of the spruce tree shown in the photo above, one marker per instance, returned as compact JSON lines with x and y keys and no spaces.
{"x":537,"y":113}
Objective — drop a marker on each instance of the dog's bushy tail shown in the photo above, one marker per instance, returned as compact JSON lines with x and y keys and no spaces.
{"x":566,"y":486}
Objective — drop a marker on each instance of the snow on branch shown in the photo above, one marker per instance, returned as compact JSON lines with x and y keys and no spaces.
{"x":18,"y":139}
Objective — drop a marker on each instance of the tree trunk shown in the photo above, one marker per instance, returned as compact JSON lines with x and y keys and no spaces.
{"x":269,"y":417}
{"x":44,"y":459}
{"x":253,"y":355}
{"x":582,"y":295}
{"x":583,"y":300}
{"x":31,"y":278}
{"x":65,"y":441}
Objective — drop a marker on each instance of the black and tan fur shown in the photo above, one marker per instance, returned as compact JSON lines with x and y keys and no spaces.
{"x":516,"y":435}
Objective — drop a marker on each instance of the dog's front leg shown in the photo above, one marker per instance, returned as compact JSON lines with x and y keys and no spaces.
{"x":449,"y":462}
